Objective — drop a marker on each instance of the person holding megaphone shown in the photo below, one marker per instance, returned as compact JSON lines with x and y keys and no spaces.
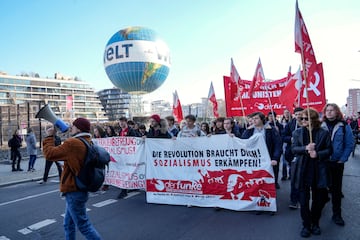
{"x":73,"y":152}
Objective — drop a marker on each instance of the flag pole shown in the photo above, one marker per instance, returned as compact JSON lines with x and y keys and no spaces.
{"x":239,"y":92}
{"x":307,"y":93}
{"x":271,"y":108}
{"x":206,"y":110}
{"x":242,"y":109}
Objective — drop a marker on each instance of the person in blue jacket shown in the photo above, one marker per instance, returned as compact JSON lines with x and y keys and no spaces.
{"x":342,"y":142}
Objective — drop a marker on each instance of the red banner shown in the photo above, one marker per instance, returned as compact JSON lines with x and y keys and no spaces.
{"x":69,"y":103}
{"x":260,"y":98}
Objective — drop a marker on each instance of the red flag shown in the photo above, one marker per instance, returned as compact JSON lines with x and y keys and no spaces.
{"x":258,"y":78}
{"x":212,"y":99}
{"x":235,"y":77}
{"x":303,"y":45}
{"x":177,"y":109}
{"x":291,"y":91}
{"x":69,"y":103}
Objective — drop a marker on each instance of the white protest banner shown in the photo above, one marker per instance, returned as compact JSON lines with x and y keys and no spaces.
{"x":127,"y":165}
{"x":217,"y":171}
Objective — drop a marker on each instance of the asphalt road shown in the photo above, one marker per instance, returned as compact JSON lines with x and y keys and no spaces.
{"x":32,"y":211}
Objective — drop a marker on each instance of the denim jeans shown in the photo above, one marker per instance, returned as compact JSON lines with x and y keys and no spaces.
{"x":76,"y":216}
{"x":32,"y":160}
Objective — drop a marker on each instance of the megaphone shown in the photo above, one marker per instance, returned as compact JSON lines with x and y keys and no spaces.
{"x":47,"y":113}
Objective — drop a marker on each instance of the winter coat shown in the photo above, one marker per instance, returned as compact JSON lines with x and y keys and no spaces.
{"x":130,"y":133}
{"x":288,"y":130}
{"x":31,"y":144}
{"x":321,"y":138}
{"x":15,"y":143}
{"x":272,"y":139}
{"x":342,"y":141}
{"x":158,"y":134}
{"x":72,"y":152}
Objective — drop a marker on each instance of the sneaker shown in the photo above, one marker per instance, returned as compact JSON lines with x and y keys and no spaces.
{"x":293,"y":205}
{"x":305,"y":232}
{"x":315,"y":230}
{"x":19,"y":169}
{"x":41,"y":181}
{"x":338,"y":220}
{"x":277,"y":186}
{"x":13,"y":170}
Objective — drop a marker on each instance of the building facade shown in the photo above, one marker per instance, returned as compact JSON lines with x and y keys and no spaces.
{"x":21,"y":97}
{"x":353,"y":102}
{"x":115,"y":102}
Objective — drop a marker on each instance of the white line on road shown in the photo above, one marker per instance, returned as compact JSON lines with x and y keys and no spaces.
{"x":104,"y":203}
{"x":131,"y":194}
{"x":28,"y":197}
{"x":87,"y":209}
{"x":4,"y":238}
{"x":41,"y":224}
{"x":36,"y":226}
{"x":24,"y":231}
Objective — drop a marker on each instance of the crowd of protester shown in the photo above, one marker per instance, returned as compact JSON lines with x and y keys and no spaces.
{"x":310,"y":147}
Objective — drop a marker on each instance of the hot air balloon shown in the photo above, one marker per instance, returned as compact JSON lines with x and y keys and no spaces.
{"x":136,"y":60}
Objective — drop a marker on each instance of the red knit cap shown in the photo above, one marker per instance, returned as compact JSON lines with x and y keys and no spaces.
{"x":156,"y":118}
{"x":82,"y":124}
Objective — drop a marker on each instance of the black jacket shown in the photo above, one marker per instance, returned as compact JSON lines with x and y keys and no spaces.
{"x":15,"y":143}
{"x":272,"y":139}
{"x":288,"y":130}
{"x":131,"y":132}
{"x":321,"y":138}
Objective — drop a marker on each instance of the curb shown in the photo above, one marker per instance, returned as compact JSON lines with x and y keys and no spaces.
{"x":25,"y":180}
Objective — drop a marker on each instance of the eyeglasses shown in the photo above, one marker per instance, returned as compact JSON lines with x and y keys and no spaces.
{"x":304,"y":118}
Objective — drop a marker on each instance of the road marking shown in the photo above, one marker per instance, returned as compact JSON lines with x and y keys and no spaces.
{"x":36,"y":226}
{"x":24,"y":231}
{"x":87,"y":209}
{"x":131,"y":194}
{"x":28,"y":197}
{"x":104,"y":203}
{"x":4,"y":238}
{"x":41,"y":224}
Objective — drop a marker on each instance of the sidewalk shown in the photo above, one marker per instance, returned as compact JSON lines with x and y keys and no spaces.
{"x":7,"y":177}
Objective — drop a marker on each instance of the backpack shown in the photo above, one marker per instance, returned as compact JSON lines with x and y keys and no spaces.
{"x":92,"y":174}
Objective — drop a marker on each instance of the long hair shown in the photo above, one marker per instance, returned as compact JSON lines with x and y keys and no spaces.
{"x":100,"y":131}
{"x":207,"y":128}
{"x":112,"y":131}
{"x":163,"y":126}
{"x":338,"y":114}
{"x":314,"y":117}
